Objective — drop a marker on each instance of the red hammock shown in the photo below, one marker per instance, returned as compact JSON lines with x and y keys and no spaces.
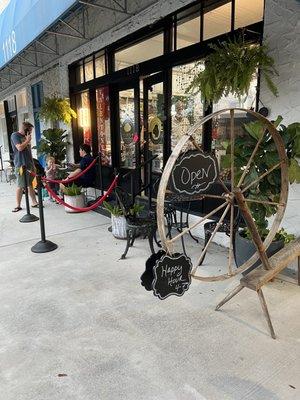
{"x":95,"y":205}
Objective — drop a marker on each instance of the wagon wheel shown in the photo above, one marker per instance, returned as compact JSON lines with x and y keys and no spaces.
{"x":241,"y":191}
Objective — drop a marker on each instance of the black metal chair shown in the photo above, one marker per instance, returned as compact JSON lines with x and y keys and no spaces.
{"x":144,"y":226}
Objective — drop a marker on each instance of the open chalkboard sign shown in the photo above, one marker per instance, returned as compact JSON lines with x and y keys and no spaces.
{"x":194,"y":172}
{"x":171,"y":276}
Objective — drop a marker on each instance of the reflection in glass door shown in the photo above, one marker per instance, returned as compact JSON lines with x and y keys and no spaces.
{"x":127,"y":118}
{"x":154,"y":116}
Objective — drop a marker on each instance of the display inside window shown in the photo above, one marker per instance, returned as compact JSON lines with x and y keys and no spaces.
{"x":99,"y":65}
{"x":103,"y":125}
{"x":127,"y":127}
{"x":217,"y":21}
{"x":186,"y":108}
{"x":89,"y":69}
{"x":142,"y":51}
{"x":188,"y":31}
{"x":84,"y":117}
{"x":155,"y":124}
{"x":248,"y":12}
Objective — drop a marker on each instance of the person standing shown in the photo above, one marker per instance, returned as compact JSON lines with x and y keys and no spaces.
{"x":21,"y":144}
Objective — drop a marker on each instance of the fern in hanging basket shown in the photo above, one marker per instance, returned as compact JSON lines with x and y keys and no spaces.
{"x":56,"y":109}
{"x":230,"y":69}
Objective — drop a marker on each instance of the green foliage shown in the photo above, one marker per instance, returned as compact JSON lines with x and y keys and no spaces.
{"x":113,"y":209}
{"x":230,"y":69}
{"x":56,"y":109}
{"x":268,"y":188}
{"x":53,"y":143}
{"x":117,"y":211}
{"x":72,"y":190}
{"x":280,"y":235}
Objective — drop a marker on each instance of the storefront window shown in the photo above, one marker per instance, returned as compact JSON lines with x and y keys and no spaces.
{"x":79,"y":76}
{"x":248,"y":12}
{"x":89,"y":69}
{"x":188,"y":31}
{"x":217,"y":21}
{"x":142,"y":51}
{"x":103,"y":125}
{"x":127,"y":127}
{"x":84,"y":117}
{"x":186,"y":108}
{"x":3,"y":130}
{"x":99,"y":65}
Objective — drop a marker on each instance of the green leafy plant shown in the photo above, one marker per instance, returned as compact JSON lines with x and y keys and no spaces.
{"x":266,"y":156}
{"x":113,"y":209}
{"x":53,"y":143}
{"x":56,"y":109}
{"x":72,"y":190}
{"x":117,"y":211}
{"x":230,"y":69}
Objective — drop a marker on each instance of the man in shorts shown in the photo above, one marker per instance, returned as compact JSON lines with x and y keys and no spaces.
{"x":21,"y":144}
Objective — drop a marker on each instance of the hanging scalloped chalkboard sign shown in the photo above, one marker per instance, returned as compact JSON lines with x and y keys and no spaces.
{"x":194,"y":172}
{"x":171,"y":276}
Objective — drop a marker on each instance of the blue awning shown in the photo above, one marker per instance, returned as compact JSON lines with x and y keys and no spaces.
{"x":22,"y":21}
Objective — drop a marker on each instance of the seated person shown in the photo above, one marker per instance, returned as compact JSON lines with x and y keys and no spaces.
{"x":88,"y":179}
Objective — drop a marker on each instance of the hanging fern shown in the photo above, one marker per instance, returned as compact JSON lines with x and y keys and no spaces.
{"x":230,"y":69}
{"x":56,"y":109}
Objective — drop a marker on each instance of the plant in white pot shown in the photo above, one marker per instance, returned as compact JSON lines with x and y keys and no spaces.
{"x":118,"y":220}
{"x":73,"y":195}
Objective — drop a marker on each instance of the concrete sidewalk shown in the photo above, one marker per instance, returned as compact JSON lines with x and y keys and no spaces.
{"x":81,"y":312}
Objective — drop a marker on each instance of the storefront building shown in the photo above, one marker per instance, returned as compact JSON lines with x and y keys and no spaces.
{"x":129,"y":83}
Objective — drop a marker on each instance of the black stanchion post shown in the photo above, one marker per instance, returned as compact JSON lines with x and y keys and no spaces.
{"x":43,"y":246}
{"x":27,"y":217}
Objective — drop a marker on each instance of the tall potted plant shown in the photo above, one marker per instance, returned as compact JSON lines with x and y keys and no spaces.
{"x":269,"y":187}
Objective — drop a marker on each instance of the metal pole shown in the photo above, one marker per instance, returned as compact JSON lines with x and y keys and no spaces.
{"x":101,"y":175}
{"x":27,"y":217}
{"x":43,"y":246}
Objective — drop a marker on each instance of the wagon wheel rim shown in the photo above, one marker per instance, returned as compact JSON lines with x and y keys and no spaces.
{"x":229,"y":201}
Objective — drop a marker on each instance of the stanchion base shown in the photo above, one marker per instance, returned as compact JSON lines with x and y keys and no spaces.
{"x":43,"y":247}
{"x":29,"y":218}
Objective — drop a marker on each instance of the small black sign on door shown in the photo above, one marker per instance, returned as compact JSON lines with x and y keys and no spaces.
{"x":171,"y":276}
{"x":194,"y":172}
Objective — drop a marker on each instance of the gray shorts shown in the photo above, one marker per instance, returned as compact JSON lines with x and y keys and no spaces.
{"x":21,"y":178}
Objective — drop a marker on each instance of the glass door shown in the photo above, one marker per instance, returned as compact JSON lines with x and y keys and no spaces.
{"x":128,"y":121}
{"x":154,"y":120}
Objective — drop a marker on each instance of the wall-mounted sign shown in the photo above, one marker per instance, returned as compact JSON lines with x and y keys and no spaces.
{"x":171,"y":276}
{"x":194,"y":172}
{"x":22,"y":21}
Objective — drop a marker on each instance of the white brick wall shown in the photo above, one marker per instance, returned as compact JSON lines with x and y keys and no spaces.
{"x":282,"y":34}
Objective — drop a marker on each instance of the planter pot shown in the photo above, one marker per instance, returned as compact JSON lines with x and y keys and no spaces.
{"x":75,"y":201}
{"x":118,"y":225}
{"x":245,"y":248}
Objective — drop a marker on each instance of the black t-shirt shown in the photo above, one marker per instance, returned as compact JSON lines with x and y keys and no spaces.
{"x":89,"y":177}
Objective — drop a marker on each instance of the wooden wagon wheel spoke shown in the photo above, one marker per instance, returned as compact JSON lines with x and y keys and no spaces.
{"x":232,"y":148}
{"x":261,"y":177}
{"x":266,"y":202}
{"x":246,"y":170}
{"x":199,"y":261}
{"x":189,"y":228}
{"x":231,"y":239}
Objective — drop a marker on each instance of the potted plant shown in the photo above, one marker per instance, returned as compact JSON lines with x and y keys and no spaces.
{"x":119,"y":217}
{"x":73,"y":195}
{"x":118,"y":220}
{"x":269,"y":188}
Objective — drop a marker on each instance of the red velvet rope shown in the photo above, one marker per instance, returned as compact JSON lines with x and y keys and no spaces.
{"x":44,"y":179}
{"x":95,"y":205}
